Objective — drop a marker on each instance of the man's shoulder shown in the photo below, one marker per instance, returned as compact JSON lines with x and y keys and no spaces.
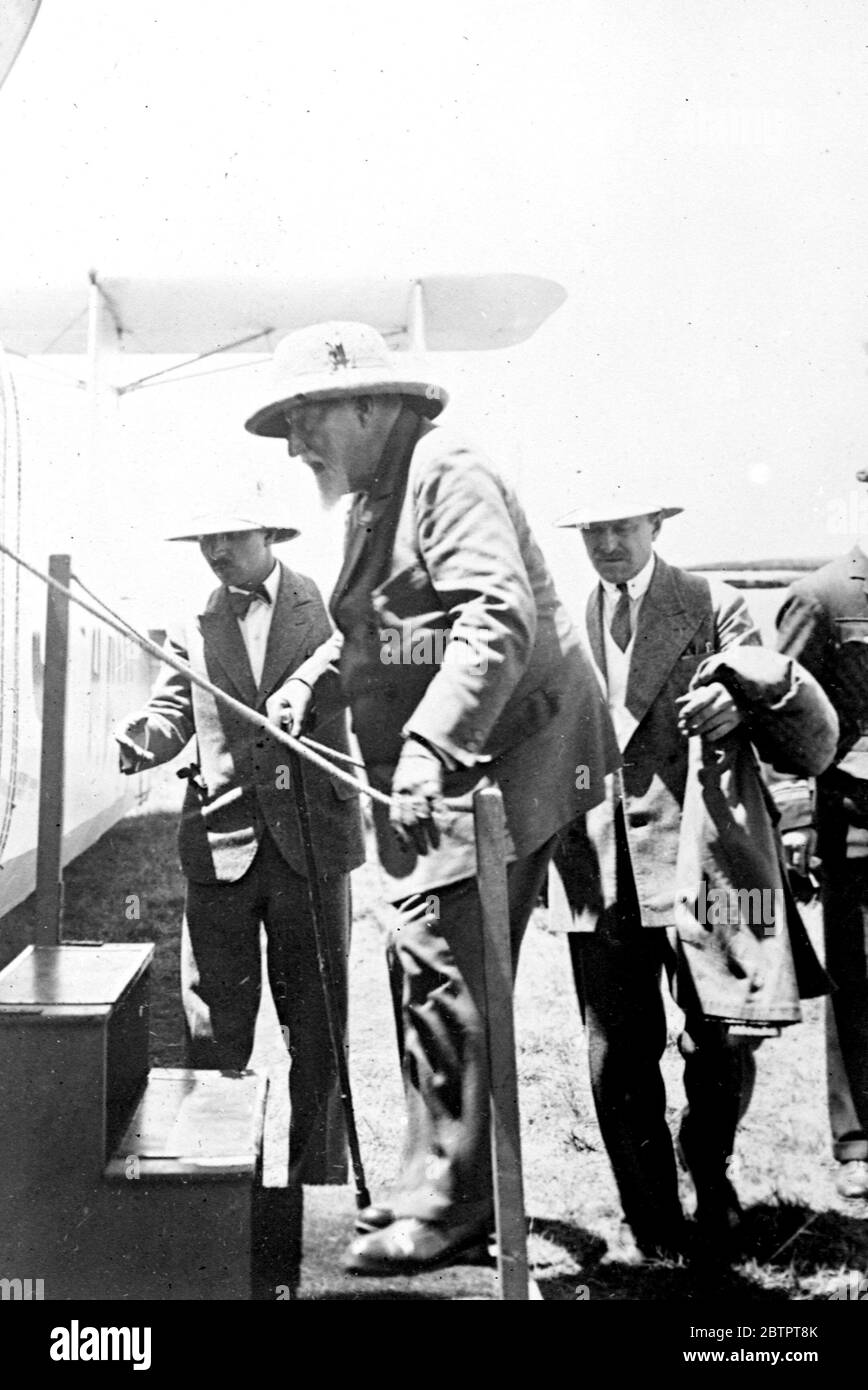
{"x":830,"y":582}
{"x":449,"y":467}
{"x":300,"y":586}
{"x":701,"y":589}
{"x":693,"y":590}
{"x":188,"y":620}
{"x":710,"y":599}
{"x":448,"y":446}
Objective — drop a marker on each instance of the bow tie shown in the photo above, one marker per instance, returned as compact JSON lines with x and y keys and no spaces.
{"x":241,"y":599}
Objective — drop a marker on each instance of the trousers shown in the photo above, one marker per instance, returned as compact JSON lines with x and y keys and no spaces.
{"x":221,"y":970}
{"x":618,"y":971}
{"x":435,"y":956}
{"x":844,"y":896}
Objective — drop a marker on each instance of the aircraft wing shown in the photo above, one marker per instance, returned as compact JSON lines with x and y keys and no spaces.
{"x":450,"y":313}
{"x":15,"y":22}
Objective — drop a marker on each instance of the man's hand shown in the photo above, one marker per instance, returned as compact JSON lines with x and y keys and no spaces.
{"x":709,"y":711}
{"x":131,"y":735}
{"x":417,"y":791}
{"x":290,"y":706}
{"x":798,"y":851}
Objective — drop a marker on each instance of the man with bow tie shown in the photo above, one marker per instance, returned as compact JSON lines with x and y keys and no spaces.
{"x":240,"y":841}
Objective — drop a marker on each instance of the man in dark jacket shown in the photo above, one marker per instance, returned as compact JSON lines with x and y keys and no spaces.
{"x":824,"y":624}
{"x":650,"y":627}
{"x":240,"y":839}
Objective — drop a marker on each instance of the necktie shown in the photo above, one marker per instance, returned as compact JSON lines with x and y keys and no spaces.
{"x":621,"y":629}
{"x":241,"y":599}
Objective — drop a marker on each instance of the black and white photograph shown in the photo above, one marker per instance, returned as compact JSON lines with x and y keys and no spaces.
{"x":434,"y":666}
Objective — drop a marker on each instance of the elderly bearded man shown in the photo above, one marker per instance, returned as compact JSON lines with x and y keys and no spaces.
{"x":437,"y":548}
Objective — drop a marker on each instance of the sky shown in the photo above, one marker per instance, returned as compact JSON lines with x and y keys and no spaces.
{"x":694,"y":175}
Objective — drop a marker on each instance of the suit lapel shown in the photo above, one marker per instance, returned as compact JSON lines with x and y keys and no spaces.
{"x":594,"y":624}
{"x":367,"y":510}
{"x":290,"y":621}
{"x":665,"y":626}
{"x":224,"y":647}
{"x":354,"y":543}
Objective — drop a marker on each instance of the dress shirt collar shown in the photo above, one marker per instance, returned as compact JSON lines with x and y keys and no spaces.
{"x":636,"y":587}
{"x":272,"y":584}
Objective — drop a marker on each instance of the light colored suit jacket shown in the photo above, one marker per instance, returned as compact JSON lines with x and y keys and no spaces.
{"x":683,"y":619}
{"x":244,"y":770}
{"x":453,"y":631}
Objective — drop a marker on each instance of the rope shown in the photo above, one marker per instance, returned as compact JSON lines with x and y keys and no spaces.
{"x":333,"y":752}
{"x":133,"y":632}
{"x":245,"y":712}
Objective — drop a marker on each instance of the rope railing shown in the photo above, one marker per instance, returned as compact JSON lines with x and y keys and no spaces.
{"x":497,"y":969}
{"x":302,"y":748}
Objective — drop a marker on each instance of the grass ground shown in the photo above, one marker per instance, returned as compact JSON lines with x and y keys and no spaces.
{"x":803,"y":1240}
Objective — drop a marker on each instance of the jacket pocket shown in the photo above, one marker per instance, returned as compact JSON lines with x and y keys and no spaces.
{"x":684,"y":671}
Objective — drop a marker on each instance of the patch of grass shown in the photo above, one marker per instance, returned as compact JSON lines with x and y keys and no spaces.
{"x":802,"y":1239}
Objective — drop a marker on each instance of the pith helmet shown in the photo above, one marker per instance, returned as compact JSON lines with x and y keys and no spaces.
{"x":248,"y":511}
{"x":329,"y":360}
{"x":616,"y":504}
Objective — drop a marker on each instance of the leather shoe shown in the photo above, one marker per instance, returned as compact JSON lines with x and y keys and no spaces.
{"x":719,"y":1222}
{"x":636,"y":1248}
{"x":719,"y":1213}
{"x":410,"y":1246}
{"x":852,"y":1178}
{"x":373,"y":1218}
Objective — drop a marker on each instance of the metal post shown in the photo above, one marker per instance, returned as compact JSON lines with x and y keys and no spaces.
{"x":490,"y":824}
{"x":49,"y":847}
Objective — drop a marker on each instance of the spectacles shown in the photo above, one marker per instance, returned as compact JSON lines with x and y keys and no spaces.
{"x":302,"y":419}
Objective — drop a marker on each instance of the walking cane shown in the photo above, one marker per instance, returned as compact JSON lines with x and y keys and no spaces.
{"x":363,"y":1198}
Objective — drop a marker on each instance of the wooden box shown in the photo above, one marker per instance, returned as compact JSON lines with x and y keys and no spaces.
{"x":180,"y":1187}
{"x":74,"y":1023}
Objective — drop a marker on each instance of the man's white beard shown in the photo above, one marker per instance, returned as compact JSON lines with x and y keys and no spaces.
{"x":332,"y":485}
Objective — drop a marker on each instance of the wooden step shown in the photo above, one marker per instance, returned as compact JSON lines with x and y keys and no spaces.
{"x":180,"y":1188}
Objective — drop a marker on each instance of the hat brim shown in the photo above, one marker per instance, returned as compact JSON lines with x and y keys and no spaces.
{"x":270,"y":421}
{"x":279,"y":533}
{"x":594,"y":516}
